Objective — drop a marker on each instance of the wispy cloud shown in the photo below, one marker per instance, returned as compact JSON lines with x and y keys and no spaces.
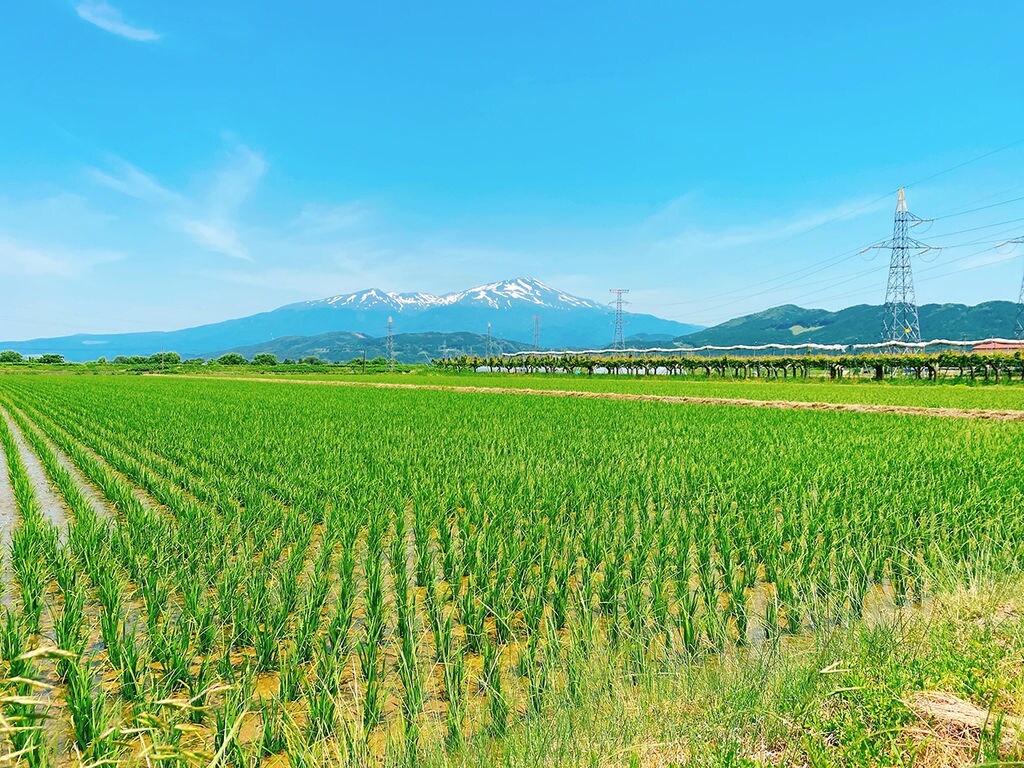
{"x":316,"y":220}
{"x":772,"y":230}
{"x":218,"y":237}
{"x":107,"y":17}
{"x":209,"y":218}
{"x":20,"y":260}
{"x":232,"y":184}
{"x":995,"y":256}
{"x":133,"y":182}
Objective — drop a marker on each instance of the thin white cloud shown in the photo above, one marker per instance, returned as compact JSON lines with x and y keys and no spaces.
{"x":997,"y":256}
{"x":133,"y":182}
{"x":20,"y":260}
{"x":210,"y":218}
{"x":217,"y":237}
{"x":215,"y":228}
{"x":236,"y":180}
{"x":315,"y":220}
{"x":107,"y":17}
{"x":770,"y":231}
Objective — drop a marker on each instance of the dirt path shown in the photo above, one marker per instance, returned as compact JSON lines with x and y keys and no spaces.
{"x":50,"y":502}
{"x":906,"y":410}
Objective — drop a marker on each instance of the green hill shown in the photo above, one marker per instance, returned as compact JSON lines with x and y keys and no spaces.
{"x":860,"y":324}
{"x":341,"y":346}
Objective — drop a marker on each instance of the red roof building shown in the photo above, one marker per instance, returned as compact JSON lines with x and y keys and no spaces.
{"x":1000,"y":346}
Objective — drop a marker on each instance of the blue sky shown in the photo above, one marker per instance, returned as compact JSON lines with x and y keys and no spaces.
{"x":167,"y":164}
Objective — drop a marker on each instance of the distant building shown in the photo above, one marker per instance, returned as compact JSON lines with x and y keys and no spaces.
{"x":1000,"y":346}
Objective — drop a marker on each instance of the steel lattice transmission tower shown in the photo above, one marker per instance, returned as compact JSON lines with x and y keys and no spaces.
{"x":900,"y":321}
{"x":536,"y":333}
{"x":391,"y":345}
{"x":1018,"y":324}
{"x":1018,"y":331}
{"x":490,"y":342}
{"x":619,"y":337}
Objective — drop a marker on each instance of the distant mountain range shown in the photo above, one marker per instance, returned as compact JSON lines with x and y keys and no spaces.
{"x":341,"y":327}
{"x":342,"y":346}
{"x":790,"y":324}
{"x":508,"y":306}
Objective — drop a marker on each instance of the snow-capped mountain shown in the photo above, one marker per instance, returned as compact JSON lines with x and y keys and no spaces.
{"x":507,"y":308}
{"x":501,"y":295}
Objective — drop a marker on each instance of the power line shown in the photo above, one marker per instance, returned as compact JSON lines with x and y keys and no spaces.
{"x":975,"y":210}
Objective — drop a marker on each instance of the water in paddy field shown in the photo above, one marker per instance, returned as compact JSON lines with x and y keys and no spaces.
{"x":92,"y":495}
{"x":50,"y":503}
{"x":8,"y":516}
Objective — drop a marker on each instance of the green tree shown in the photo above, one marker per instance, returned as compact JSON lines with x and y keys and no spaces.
{"x":51,"y":359}
{"x":10,"y":356}
{"x":311,"y":360}
{"x":264,"y":358}
{"x":231,"y":358}
{"x":165,"y":358}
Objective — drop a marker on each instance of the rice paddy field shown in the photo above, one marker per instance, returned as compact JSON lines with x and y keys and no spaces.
{"x":899,"y":392}
{"x":203,"y":571}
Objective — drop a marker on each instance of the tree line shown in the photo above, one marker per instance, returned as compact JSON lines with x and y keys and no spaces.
{"x":967,"y":365}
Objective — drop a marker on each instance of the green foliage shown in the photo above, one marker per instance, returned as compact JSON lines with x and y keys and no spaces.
{"x":374,"y":552}
{"x":164,"y":358}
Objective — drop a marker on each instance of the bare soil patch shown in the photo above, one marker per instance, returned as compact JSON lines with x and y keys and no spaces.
{"x":951,"y":727}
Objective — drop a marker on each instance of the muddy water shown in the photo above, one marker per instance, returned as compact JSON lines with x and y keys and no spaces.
{"x":50,"y":503}
{"x":91,"y":493}
{"x":8,"y":517}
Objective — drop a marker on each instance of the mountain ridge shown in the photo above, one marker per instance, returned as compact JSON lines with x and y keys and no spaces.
{"x":342,"y":346}
{"x":858,"y":324}
{"x":508,"y":307}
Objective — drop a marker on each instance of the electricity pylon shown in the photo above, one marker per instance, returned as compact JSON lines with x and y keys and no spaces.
{"x":899,"y":319}
{"x":391,"y":346}
{"x":1018,"y":324}
{"x":1018,"y":331}
{"x":619,"y":337}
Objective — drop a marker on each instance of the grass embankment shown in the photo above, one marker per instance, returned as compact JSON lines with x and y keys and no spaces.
{"x":940,"y":685}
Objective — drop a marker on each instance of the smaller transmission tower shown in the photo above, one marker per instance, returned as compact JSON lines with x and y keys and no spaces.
{"x":899,"y":320}
{"x":1018,"y":324}
{"x":619,"y":336}
{"x":391,"y":345}
{"x":1018,"y":332}
{"x":490,"y":342}
{"x":536,"y":333}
